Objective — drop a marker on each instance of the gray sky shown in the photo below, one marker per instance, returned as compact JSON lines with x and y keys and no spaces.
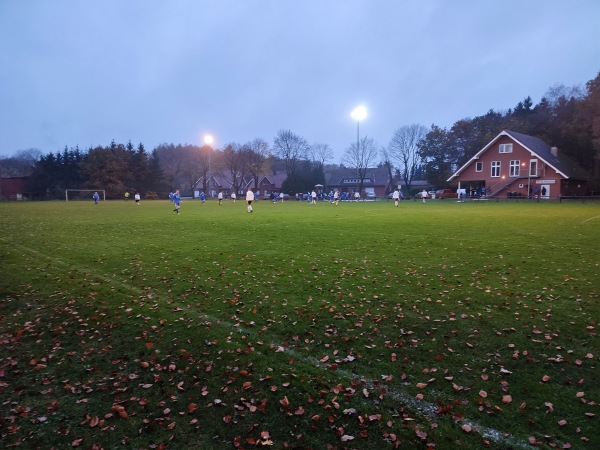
{"x":85,"y":72}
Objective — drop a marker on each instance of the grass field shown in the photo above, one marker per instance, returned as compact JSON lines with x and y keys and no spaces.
{"x":359,"y":326}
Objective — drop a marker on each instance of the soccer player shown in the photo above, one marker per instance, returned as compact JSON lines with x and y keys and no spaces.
{"x":249,"y":199}
{"x":396,"y":197}
{"x":96,"y":197}
{"x":137,"y":198}
{"x":176,"y":201}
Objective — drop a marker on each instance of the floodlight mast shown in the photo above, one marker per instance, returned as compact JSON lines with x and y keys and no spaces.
{"x":359,"y":113}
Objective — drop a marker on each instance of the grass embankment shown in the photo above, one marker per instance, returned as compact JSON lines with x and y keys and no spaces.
{"x":298,"y":326}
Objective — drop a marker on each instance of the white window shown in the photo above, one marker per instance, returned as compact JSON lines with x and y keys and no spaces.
{"x":478,"y":166}
{"x":505,"y":148}
{"x":515,"y":168}
{"x":533,"y":168}
{"x":495,"y":168}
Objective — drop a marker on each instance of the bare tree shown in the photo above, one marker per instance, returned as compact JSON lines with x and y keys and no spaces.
{"x":291,"y":148}
{"x":320,"y":154}
{"x":206,"y":155}
{"x":21,"y":164}
{"x":257,"y":155}
{"x":30,"y":155}
{"x":386,"y":160}
{"x":361,"y":157}
{"x":192,"y":159}
{"x":403,"y":150}
{"x":559,"y":91}
{"x":233,"y":164}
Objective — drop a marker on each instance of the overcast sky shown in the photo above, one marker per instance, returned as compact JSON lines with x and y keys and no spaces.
{"x":85,"y":72}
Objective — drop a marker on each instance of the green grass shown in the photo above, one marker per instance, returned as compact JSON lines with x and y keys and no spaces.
{"x":358,"y":326}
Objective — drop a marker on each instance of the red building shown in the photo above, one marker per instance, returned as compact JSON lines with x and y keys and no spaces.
{"x":13,"y":188}
{"x":376,"y":182}
{"x":517,"y":165}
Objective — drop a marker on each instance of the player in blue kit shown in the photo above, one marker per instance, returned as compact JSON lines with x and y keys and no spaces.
{"x":176,"y":201}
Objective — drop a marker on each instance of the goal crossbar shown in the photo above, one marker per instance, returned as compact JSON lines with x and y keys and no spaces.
{"x":100,"y":192}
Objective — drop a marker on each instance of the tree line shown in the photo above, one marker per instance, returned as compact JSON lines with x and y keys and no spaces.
{"x":566,"y":117}
{"x":120,"y":168}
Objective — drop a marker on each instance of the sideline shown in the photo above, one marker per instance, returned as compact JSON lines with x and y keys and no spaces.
{"x":419,"y":406}
{"x":590,"y":219}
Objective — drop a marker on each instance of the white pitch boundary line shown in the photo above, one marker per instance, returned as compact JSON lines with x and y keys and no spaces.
{"x":590,"y":219}
{"x":418,"y":405}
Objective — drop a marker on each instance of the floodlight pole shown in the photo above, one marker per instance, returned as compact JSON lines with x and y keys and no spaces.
{"x":358,"y":137}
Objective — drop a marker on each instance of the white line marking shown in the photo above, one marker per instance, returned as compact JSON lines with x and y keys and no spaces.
{"x":421,"y":406}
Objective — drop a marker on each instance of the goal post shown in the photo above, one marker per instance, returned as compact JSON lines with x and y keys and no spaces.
{"x":83,"y":194}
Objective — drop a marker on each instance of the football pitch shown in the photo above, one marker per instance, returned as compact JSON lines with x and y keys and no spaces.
{"x":359,"y":326}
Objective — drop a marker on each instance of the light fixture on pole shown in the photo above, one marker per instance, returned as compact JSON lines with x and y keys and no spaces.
{"x":208,"y":141}
{"x":359,"y":113}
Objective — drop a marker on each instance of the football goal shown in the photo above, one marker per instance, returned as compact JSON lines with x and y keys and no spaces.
{"x":83,"y":194}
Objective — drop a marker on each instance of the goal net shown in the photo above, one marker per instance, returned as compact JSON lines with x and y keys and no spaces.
{"x":83,"y":194}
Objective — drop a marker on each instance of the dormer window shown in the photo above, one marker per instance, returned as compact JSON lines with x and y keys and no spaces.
{"x":505,"y":148}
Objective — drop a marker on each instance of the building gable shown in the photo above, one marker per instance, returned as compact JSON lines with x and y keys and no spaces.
{"x":537,"y":148}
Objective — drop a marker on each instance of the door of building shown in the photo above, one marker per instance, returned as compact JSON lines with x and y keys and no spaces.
{"x":545,"y":190}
